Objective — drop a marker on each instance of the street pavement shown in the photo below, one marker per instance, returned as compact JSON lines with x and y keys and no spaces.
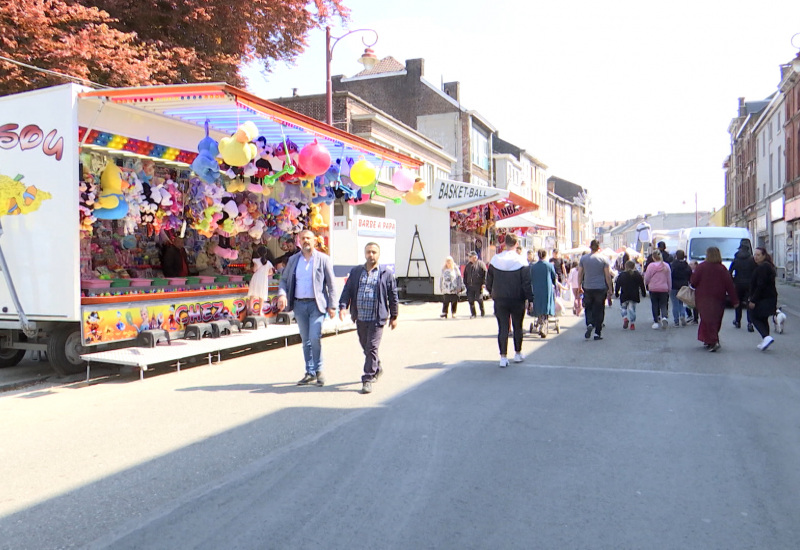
{"x":641,"y":440}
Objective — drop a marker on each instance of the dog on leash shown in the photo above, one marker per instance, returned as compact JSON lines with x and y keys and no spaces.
{"x":778,"y":320}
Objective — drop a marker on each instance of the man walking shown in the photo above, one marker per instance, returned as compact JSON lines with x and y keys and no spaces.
{"x":594,"y":275}
{"x":306,"y":288}
{"x":474,"y":279}
{"x":371,"y":295}
{"x":508,"y":280}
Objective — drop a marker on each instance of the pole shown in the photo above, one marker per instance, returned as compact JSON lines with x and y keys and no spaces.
{"x":328,"y":84}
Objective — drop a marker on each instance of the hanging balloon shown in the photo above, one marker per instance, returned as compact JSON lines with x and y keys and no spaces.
{"x":363,"y":173}
{"x":403,"y":180}
{"x":314,"y":159}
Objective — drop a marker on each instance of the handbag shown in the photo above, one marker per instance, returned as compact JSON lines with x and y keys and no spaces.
{"x":686,"y":295}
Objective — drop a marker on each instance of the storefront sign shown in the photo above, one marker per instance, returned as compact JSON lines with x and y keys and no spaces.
{"x":776,"y":209}
{"x":339,"y":223}
{"x":118,"y":322}
{"x":451,"y":194}
{"x":375,"y":227}
{"x":792,"y":211}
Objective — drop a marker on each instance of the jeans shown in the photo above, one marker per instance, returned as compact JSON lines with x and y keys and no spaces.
{"x":505,"y":311}
{"x":309,"y":321}
{"x":659,"y":302}
{"x":594,"y":301}
{"x":369,"y":336}
{"x":678,"y":309}
{"x":475,"y":294}
{"x":743,"y":291}
{"x":628,"y":310}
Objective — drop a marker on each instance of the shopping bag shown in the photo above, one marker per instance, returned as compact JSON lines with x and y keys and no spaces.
{"x":686,"y":295}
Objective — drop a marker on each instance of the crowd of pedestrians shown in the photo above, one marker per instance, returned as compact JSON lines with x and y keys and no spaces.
{"x":518,"y":283}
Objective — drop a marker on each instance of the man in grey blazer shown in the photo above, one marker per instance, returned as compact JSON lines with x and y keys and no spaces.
{"x":306,"y":288}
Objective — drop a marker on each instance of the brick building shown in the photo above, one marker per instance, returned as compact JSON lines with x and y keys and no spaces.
{"x":790,"y":87}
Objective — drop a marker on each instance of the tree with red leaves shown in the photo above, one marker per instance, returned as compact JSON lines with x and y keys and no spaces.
{"x":140,"y":42}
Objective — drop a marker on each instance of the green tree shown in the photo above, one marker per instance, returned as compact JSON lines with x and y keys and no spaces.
{"x":125,"y":43}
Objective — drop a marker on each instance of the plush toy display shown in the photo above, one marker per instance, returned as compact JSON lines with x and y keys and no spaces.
{"x":417,"y":194}
{"x":110,"y":204}
{"x":237,"y":149}
{"x":205,"y":165}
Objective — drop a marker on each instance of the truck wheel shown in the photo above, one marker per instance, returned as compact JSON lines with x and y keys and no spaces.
{"x":64,"y":350}
{"x":10,"y":357}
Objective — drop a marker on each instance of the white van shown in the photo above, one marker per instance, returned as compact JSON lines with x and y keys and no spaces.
{"x":696,"y":240}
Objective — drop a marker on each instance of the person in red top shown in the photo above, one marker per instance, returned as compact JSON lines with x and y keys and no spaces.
{"x":712,"y":283}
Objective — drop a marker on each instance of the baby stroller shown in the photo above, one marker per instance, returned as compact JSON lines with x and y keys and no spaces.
{"x":542,"y":324}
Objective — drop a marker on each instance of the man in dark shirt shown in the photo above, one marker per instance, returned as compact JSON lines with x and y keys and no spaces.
{"x":558,"y":264}
{"x":474,"y":279}
{"x":174,"y":262}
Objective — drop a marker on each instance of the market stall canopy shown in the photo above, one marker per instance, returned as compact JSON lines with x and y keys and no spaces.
{"x":629,"y":251}
{"x":583,"y":249}
{"x":226,"y":107}
{"x":458,"y":195}
{"x":525,"y":220}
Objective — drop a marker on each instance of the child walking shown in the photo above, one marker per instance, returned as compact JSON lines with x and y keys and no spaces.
{"x":628,"y":287}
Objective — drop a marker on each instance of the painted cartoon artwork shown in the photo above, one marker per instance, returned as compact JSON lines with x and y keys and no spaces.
{"x":16,"y":198}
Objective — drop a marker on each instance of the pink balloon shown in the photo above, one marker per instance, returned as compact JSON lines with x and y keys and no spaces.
{"x":314,"y":159}
{"x":403,"y":180}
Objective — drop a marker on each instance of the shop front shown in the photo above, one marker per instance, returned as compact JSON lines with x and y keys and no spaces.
{"x":133,"y":209}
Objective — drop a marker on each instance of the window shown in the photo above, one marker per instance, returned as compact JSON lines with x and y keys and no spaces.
{"x":780,"y":180}
{"x":771,"y":183}
{"x":479,"y":149}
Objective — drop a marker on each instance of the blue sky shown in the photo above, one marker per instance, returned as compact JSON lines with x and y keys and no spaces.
{"x":628,"y":99}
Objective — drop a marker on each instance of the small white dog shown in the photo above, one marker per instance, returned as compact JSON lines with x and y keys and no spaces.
{"x":778,"y":320}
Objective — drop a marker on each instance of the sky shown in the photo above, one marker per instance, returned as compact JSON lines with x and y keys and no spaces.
{"x":629,"y":99}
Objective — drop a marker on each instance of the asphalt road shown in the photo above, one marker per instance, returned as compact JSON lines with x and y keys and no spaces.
{"x":642,"y":440}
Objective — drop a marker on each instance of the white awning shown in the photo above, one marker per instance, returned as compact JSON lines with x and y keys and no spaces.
{"x":525,"y":220}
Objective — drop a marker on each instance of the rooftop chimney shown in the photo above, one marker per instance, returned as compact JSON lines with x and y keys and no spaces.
{"x":294,"y":92}
{"x":742,"y":107}
{"x":453,"y":89}
{"x":415,"y":67}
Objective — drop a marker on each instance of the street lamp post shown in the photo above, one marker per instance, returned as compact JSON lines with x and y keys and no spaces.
{"x":368,"y":59}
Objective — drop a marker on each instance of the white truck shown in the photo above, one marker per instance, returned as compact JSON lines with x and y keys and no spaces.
{"x":696,"y":240}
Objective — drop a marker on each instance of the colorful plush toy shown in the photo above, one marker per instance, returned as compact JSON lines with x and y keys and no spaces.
{"x":110,"y":204}
{"x":417,"y":195}
{"x":317,"y":221}
{"x":237,"y":149}
{"x":205,"y":164}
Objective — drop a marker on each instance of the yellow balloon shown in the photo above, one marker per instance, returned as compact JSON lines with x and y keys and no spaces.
{"x":363,"y":173}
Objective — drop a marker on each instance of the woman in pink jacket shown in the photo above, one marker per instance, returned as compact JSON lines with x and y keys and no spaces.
{"x":658,"y":279}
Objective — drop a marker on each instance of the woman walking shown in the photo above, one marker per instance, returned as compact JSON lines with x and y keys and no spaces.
{"x":543,"y":279}
{"x":575,"y":285}
{"x":763,"y":296}
{"x":742,"y":268}
{"x":712,"y":283}
{"x":681,"y":273}
{"x":658,"y":279}
{"x":450,"y":284}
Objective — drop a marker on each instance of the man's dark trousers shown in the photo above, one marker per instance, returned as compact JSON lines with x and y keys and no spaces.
{"x":594,"y":303}
{"x":475,"y":294}
{"x":369,"y":335}
{"x":513,"y":311}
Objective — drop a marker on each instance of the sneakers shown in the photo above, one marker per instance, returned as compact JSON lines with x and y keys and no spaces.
{"x":320,"y":379}
{"x":633,"y":326}
{"x":443,"y":315}
{"x":714,"y":347}
{"x":588,"y":333}
{"x":664,"y":323}
{"x":656,"y":326}
{"x":503,"y":362}
{"x":765,"y":343}
{"x":307,"y":379}
{"x":518,"y":358}
{"x":598,"y":337}
{"x":737,"y":324}
{"x":472,"y":316}
{"x":750,"y":327}
{"x":676,"y":324}
{"x":366,"y":386}
{"x":625,"y":323}
{"x":683,"y":321}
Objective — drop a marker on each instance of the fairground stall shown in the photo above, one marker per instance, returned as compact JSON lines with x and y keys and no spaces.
{"x":458,"y":218}
{"x":97,"y":185}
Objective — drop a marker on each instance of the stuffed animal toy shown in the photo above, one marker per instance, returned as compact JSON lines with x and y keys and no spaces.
{"x":110,"y":204}
{"x":227,"y":253}
{"x":237,"y":149}
{"x":159,"y":193}
{"x":147,"y":171}
{"x":317,"y":221}
{"x":236,"y":185}
{"x":293,"y":192}
{"x":205,"y":165}
{"x":417,"y":195}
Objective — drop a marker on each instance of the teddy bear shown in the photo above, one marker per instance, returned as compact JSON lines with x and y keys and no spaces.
{"x":110,"y":203}
{"x":205,"y":164}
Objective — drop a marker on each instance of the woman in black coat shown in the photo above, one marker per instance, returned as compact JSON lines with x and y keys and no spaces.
{"x":763,"y":295}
